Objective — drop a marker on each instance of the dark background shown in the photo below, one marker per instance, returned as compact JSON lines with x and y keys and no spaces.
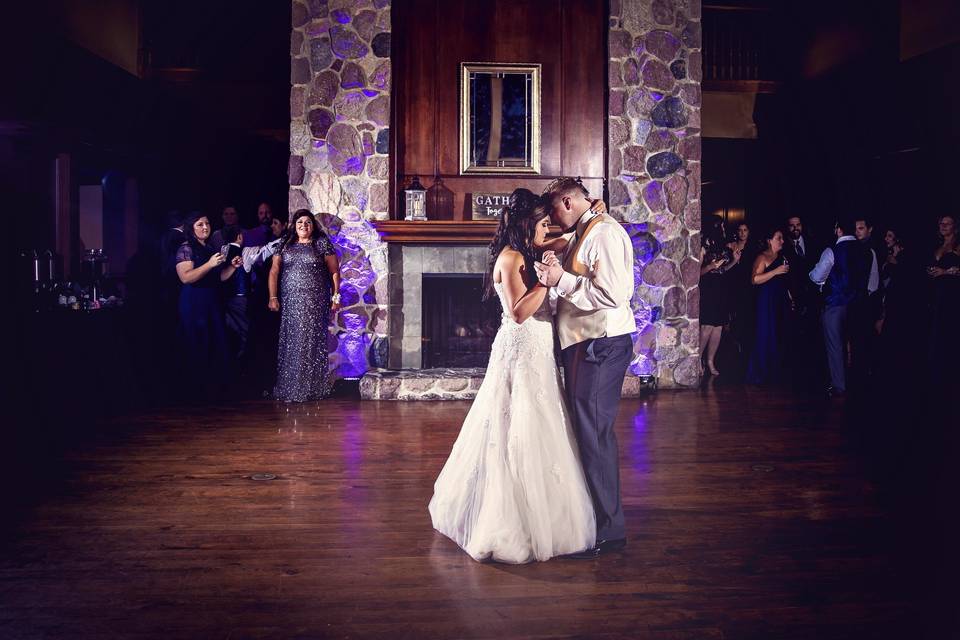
{"x":851,"y":128}
{"x":197,"y":116}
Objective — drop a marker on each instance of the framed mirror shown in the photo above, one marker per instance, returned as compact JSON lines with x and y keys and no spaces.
{"x":499,"y":118}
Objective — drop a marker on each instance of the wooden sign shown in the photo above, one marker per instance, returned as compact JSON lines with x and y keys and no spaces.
{"x":489,"y":206}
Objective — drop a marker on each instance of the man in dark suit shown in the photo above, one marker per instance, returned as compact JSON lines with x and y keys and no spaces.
{"x":801,"y":254}
{"x":864,"y":315}
{"x":803,"y":333}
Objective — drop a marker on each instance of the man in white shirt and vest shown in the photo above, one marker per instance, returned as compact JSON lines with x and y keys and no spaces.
{"x":594,"y":287}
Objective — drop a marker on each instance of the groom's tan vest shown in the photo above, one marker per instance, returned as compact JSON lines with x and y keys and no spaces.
{"x":576,"y":325}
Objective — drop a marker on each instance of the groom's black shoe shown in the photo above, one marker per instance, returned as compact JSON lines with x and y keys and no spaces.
{"x":602,"y":547}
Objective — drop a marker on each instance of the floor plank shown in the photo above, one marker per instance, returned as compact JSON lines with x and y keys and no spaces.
{"x":751,"y":513}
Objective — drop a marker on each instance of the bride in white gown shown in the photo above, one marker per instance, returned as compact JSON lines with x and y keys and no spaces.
{"x":513,"y":489}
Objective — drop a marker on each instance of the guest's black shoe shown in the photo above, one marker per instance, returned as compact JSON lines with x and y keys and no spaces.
{"x":602,"y":547}
{"x":835,"y":394}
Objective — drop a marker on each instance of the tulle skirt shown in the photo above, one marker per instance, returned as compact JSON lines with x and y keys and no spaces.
{"x":513,"y":489}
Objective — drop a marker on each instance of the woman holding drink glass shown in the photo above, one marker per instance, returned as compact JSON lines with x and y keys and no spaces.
{"x":773,"y":301}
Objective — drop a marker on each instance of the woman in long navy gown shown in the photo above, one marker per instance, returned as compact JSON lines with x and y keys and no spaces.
{"x":202,"y":332}
{"x":766,"y":360}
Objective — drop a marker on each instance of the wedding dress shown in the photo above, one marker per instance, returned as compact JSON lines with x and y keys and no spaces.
{"x":513,"y":489}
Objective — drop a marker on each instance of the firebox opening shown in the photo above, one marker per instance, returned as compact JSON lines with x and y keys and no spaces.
{"x":458,"y":325}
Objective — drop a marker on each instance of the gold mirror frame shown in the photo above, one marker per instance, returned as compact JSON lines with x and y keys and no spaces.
{"x":466,"y":68}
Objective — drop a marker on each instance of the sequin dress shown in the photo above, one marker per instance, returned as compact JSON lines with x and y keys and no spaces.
{"x":513,"y":488}
{"x":304,"y":317}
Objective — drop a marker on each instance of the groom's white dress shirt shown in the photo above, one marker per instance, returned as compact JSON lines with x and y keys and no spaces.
{"x":596,"y":304}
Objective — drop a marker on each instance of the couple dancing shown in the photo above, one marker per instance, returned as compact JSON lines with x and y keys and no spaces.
{"x":534,"y":473}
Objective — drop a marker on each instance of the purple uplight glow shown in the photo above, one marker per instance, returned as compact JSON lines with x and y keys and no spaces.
{"x":640,"y":421}
{"x":352,"y":446}
{"x":353,"y":354}
{"x":370,"y":92}
{"x":353,"y":322}
{"x":643,"y":365}
{"x":353,"y":242}
{"x":645,"y":244}
{"x":638,"y":445}
{"x":318,"y":143}
{"x":340,"y":16}
{"x":656,"y":95}
{"x":354,"y":164}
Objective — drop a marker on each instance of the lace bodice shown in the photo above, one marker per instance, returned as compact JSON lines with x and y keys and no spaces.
{"x":543,"y":314}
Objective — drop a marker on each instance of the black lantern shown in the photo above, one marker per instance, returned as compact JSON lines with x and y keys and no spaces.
{"x":415,"y":201}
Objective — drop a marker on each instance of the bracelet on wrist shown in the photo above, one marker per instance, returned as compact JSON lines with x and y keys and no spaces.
{"x":274,"y":298}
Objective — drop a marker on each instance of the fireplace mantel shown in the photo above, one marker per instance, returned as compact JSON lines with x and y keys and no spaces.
{"x":436,"y":231}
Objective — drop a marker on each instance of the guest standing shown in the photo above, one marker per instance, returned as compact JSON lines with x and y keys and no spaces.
{"x":769,"y":276}
{"x":201,"y":269}
{"x":228,"y":216}
{"x":236,"y":305}
{"x":715,"y":258}
{"x":265,"y":325}
{"x":802,"y":345}
{"x":944,"y":274}
{"x":259,"y":234}
{"x":898,"y":286}
{"x":842,"y":273}
{"x":302,"y":276}
{"x":741,"y":293}
{"x":865,"y":313}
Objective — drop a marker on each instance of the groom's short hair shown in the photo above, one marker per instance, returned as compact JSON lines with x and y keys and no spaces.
{"x":561,"y":187}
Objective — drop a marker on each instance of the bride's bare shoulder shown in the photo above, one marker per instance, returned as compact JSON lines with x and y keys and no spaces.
{"x":508,"y":262}
{"x":509,"y":257}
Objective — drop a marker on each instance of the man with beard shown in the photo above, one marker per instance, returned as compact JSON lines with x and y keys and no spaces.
{"x":803,"y":335}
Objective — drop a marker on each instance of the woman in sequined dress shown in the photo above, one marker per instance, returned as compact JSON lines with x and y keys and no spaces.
{"x":302,"y":276}
{"x":513,"y":488}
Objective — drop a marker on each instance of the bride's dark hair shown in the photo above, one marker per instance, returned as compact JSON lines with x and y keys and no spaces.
{"x":516,"y":230}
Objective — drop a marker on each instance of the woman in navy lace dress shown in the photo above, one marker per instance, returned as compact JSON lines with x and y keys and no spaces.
{"x":201,"y":270}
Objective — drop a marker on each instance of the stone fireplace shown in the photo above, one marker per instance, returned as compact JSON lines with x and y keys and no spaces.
{"x":342,"y":166}
{"x":409,"y":264}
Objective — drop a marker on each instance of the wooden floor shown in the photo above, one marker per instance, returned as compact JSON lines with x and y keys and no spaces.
{"x":751,"y":514}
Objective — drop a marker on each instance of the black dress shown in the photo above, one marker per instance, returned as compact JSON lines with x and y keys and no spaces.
{"x":766,"y":359}
{"x":944,"y":319}
{"x":201,"y":328}
{"x":741,"y":297}
{"x":714,"y":294}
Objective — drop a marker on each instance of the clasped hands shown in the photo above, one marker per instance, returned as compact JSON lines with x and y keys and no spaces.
{"x":548,"y":269}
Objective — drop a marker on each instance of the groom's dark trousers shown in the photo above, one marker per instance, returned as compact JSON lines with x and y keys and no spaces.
{"x":593,"y":377}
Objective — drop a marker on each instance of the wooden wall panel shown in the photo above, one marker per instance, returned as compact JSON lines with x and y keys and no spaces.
{"x":585,"y":89}
{"x":432,"y":38}
{"x":414,"y":73}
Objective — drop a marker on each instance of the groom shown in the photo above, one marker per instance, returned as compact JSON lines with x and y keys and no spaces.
{"x":594,"y":286}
